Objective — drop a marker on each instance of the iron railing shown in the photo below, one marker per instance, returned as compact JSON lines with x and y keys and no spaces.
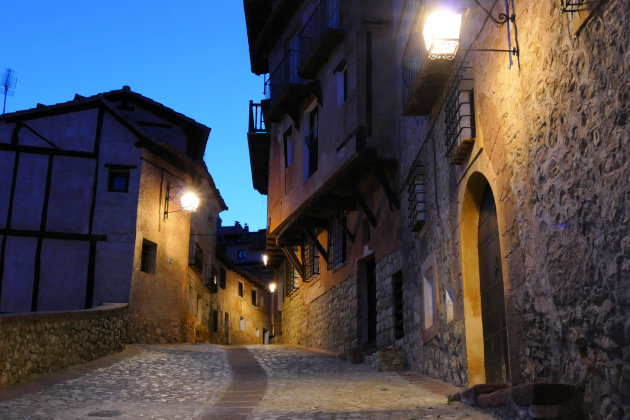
{"x":412,"y":59}
{"x":195,"y":256}
{"x":325,"y":16}
{"x":459,"y":113}
{"x":285,"y":73}
{"x":572,"y":6}
{"x":416,"y":193}
{"x":256,"y":118}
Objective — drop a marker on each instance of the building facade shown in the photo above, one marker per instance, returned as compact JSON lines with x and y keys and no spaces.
{"x":90,"y":209}
{"x":511,"y":257}
{"x":325,"y":157}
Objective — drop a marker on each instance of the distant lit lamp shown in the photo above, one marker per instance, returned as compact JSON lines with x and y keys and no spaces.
{"x":441,"y":34}
{"x":272,"y":287}
{"x":189,"y":200}
{"x":265,"y":259}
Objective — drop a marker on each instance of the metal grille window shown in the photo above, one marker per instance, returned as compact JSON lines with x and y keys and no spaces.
{"x":337,"y":242}
{"x":460,"y":114}
{"x":311,"y":256}
{"x":312,"y":141}
{"x":222,"y":277}
{"x":573,"y":5}
{"x":417,"y":197}
{"x":215,"y":321}
{"x":148,"y":256}
{"x":292,"y":279}
{"x":397,"y":289}
{"x":212,"y":279}
{"x":195,"y":256}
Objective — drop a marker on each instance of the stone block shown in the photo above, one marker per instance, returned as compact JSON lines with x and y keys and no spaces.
{"x":541,"y":393}
{"x":549,"y":411}
{"x":391,"y":360}
{"x":471,"y":395}
{"x":494,"y":399}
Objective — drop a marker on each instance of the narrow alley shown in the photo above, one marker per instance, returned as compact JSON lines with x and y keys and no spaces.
{"x":229,"y":382}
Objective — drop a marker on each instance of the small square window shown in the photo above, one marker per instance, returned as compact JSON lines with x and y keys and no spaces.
{"x":240,"y":289}
{"x":242,"y":324}
{"x":148,"y":256}
{"x":241,"y":254}
{"x":118,"y":180}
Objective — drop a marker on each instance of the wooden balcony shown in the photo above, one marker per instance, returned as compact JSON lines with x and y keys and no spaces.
{"x":258,"y":140}
{"x":285,"y":87}
{"x":320,"y":35}
{"x":424,"y":79}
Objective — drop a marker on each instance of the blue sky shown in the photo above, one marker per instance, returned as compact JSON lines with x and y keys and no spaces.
{"x":190,"y":55}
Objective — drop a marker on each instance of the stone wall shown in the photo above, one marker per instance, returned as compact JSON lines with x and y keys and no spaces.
{"x":552,"y":142}
{"x":328,"y":322}
{"x":386,"y":267}
{"x":44,"y":342}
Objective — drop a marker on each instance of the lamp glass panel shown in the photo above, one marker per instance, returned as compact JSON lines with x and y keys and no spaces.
{"x":441,"y":32}
{"x":190,"y":202}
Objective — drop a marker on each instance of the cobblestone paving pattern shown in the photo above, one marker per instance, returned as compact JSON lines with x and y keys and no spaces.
{"x":305,"y":384}
{"x":159,"y":382}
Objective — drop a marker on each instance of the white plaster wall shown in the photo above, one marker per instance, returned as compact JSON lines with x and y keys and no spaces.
{"x":70,"y":195}
{"x":18,"y":274}
{"x":63,"y":275}
{"x":29,"y":191}
{"x":71,"y":131}
{"x":6,"y":173}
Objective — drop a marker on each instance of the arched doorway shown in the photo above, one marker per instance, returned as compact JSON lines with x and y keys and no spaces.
{"x":482,"y":269}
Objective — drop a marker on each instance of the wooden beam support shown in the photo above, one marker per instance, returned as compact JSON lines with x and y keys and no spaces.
{"x":319,"y":246}
{"x":363,"y":204}
{"x":344,"y":226}
{"x":392,"y":198}
{"x":293,"y":259}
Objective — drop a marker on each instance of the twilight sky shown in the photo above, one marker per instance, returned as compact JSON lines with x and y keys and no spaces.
{"x":190,"y":55}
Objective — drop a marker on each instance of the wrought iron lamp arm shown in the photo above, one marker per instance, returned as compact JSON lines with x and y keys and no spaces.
{"x":499,"y":20}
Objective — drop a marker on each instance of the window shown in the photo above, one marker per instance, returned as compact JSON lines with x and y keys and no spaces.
{"x":212,"y":279}
{"x":342,"y":84}
{"x":241,"y":254}
{"x":337,"y":242}
{"x":240,"y":289}
{"x":242,"y":323}
{"x":215,"y":321}
{"x":397,"y":290}
{"x":148,"y":256}
{"x":430,"y":301}
{"x":311,"y":256}
{"x":118,"y":178}
{"x":222,"y":277}
{"x":288,"y":147}
{"x":311,"y":142}
{"x":292,"y":279}
{"x":254,"y":297}
{"x":195,"y":256}
{"x":257,"y":332}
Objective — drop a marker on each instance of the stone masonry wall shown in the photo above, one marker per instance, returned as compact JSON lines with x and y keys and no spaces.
{"x":44,"y":342}
{"x":329,"y":322}
{"x":386,"y":267}
{"x":553,"y":141}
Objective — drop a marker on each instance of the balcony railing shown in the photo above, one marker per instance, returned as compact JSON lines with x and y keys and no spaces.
{"x":460,"y":114}
{"x":256,"y":118}
{"x":319,"y":36}
{"x":284,"y":84}
{"x":195,"y":257}
{"x":423,"y":79}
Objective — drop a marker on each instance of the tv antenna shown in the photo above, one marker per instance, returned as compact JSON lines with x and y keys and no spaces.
{"x":8,"y":84}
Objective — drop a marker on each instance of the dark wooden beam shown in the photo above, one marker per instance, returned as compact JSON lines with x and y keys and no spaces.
{"x":366,"y":209}
{"x":392,"y":197}
{"x":293,"y":259}
{"x":344,"y":226}
{"x":313,"y":237}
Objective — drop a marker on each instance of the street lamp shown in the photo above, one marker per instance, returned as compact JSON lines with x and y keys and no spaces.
{"x":441,"y":33}
{"x":265,"y":259}
{"x":272,"y":287}
{"x":189,"y":200}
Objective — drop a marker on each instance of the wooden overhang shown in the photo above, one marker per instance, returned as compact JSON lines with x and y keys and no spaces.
{"x":338,"y":195}
{"x":428,"y":86}
{"x":318,"y":55}
{"x":256,"y":14}
{"x":259,"y":160}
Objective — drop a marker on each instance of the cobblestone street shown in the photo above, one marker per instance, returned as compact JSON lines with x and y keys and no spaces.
{"x":216,"y":382}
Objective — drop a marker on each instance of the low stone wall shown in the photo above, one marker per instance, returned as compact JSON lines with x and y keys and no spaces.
{"x":44,"y":342}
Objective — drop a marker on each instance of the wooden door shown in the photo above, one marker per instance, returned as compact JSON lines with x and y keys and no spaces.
{"x":492,"y":295}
